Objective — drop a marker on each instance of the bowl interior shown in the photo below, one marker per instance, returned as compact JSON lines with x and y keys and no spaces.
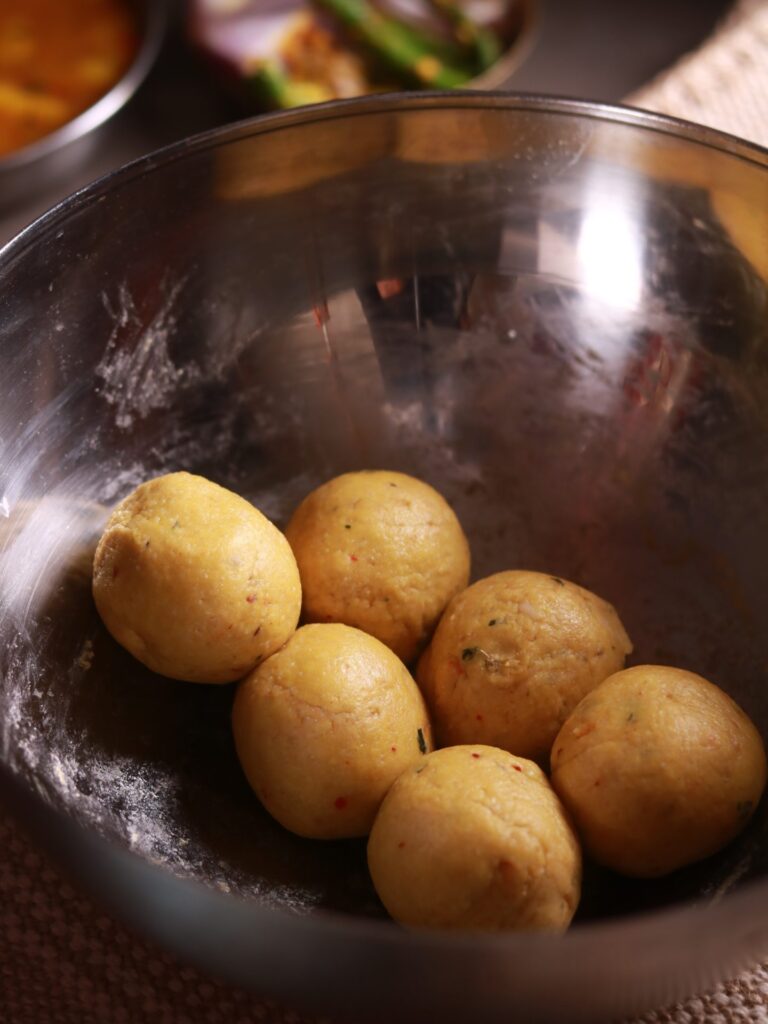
{"x":557,"y":319}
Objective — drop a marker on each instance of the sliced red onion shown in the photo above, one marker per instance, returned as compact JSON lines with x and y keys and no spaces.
{"x":422,"y":13}
{"x":240,"y":32}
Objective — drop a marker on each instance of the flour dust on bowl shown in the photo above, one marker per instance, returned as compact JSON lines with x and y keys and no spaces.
{"x":553,"y":312}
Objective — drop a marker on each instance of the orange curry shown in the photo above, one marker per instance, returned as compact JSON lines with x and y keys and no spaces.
{"x":57,"y":57}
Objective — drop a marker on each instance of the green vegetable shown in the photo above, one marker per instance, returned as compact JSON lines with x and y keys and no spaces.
{"x":422,"y":741}
{"x":483,"y":44}
{"x":274,"y":87}
{"x":409,"y":52}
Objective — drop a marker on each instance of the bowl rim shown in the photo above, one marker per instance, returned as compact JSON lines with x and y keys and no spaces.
{"x":738,"y":914}
{"x":156,"y":15}
{"x":261,"y":124}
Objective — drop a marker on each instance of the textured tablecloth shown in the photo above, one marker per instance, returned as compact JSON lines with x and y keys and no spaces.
{"x":725,"y":83}
{"x":63,"y":961}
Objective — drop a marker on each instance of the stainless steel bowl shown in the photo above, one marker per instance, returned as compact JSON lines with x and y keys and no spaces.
{"x":501,"y":74}
{"x":572,"y":344}
{"x":43,"y":162}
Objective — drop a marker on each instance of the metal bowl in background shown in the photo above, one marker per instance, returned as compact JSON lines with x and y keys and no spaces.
{"x":553,"y":311}
{"x":39,"y":165}
{"x":231,"y":44}
{"x":501,"y":74}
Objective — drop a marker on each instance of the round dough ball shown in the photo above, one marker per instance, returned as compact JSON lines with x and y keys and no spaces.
{"x":513,"y":655}
{"x":381,"y":551}
{"x":659,"y":768}
{"x":194,"y":581}
{"x":475,"y":838}
{"x":325,"y":726}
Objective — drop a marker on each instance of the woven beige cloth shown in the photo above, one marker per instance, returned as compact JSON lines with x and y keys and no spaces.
{"x":63,"y":961}
{"x":725,"y":83}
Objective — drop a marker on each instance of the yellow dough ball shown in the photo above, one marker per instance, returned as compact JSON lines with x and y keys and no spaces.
{"x":659,"y":768}
{"x":513,"y":655}
{"x":381,"y":551}
{"x":475,"y":838}
{"x":194,"y":581}
{"x":325,"y":726}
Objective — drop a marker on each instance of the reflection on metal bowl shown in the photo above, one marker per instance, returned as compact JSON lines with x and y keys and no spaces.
{"x":553,"y":311}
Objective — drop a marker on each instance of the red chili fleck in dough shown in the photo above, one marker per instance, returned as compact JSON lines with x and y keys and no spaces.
{"x":517,"y":767}
{"x":582,"y":730}
{"x":393,"y":749}
{"x":477,"y":756}
{"x":353,"y":558}
{"x":250,"y":598}
{"x":340,"y":803}
{"x":506,"y":867}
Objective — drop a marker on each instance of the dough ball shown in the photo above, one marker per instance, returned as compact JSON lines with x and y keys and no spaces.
{"x":473,"y":837}
{"x":325,"y":726}
{"x":194,"y":581}
{"x":381,"y":551}
{"x":513,"y":655}
{"x":659,"y":768}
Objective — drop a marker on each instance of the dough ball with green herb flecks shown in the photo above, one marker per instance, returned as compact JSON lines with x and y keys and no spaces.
{"x":381,"y":551}
{"x":513,"y":655}
{"x":194,"y":581}
{"x":475,"y":838}
{"x":659,"y":768}
{"x":325,"y":726}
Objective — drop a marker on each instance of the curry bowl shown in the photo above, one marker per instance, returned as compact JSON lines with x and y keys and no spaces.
{"x":26,"y":170}
{"x":553,"y":311}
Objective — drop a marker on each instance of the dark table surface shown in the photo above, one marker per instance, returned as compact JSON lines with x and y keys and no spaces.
{"x":594,"y":49}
